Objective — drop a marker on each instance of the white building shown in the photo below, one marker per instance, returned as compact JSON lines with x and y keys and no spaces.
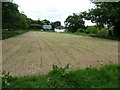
{"x":60,"y":29}
{"x":47,"y":27}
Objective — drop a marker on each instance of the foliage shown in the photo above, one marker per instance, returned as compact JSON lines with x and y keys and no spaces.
{"x":7,"y":79}
{"x":104,"y":77}
{"x":74,"y":22}
{"x":35,"y":26}
{"x":12,"y":18}
{"x":103,"y":32}
{"x":10,"y":13}
{"x":92,"y":29}
{"x":80,"y":30}
{"x":60,"y":71}
{"x":8,"y":34}
{"x":105,"y":13}
{"x":55,"y":24}
{"x":100,"y":34}
{"x":46,"y":22}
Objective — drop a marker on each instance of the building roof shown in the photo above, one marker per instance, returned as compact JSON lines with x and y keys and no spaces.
{"x":60,"y":27}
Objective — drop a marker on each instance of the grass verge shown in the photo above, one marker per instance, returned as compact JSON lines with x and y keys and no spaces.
{"x":98,"y":36}
{"x":8,"y":34}
{"x":104,"y":77}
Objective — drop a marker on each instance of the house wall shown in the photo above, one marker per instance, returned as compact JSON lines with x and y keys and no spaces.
{"x":59,"y":30}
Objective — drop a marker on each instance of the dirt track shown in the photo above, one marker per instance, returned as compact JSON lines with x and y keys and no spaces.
{"x":36,"y":52}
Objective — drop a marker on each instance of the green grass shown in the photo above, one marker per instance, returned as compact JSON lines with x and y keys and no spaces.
{"x":8,"y":34}
{"x":98,"y":36}
{"x":104,"y":77}
{"x":93,"y":35}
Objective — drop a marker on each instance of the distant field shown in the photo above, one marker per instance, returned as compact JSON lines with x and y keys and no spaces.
{"x":34,"y":53}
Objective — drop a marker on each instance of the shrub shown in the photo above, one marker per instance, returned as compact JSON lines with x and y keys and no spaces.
{"x":103,"y":32}
{"x":60,"y":71}
{"x":80,"y":30}
{"x":7,"y":78}
{"x":92,"y":29}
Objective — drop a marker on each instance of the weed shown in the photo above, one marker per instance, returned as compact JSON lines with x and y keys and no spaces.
{"x":7,"y":78}
{"x":61,"y":71}
{"x":104,"y":77}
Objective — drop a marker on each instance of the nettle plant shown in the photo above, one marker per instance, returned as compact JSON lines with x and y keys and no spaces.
{"x":61,"y":71}
{"x":6,"y":78}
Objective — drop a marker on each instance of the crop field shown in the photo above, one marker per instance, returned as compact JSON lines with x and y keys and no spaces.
{"x":34,"y":53}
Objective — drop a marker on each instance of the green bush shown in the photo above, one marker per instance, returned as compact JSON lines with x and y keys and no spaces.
{"x":80,"y":30}
{"x":103,"y":32}
{"x":7,"y":79}
{"x":60,"y":71}
{"x":92,"y":30}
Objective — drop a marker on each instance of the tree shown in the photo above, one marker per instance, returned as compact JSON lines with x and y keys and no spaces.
{"x":105,"y":13}
{"x":10,"y":15}
{"x":74,"y":22}
{"x":55,"y":24}
{"x":46,"y":22}
{"x":12,"y":18}
{"x":24,"y":22}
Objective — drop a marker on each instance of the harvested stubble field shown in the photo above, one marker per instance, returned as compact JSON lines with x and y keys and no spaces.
{"x":34,"y":53}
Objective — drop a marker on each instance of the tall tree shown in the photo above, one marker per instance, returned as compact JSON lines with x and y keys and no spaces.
{"x":105,"y":13}
{"x":74,"y":22}
{"x":10,"y":15}
{"x":24,"y":22}
{"x":46,"y":22}
{"x":55,"y":24}
{"x":12,"y":18}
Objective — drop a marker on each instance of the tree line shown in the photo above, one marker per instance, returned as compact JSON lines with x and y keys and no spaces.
{"x":104,"y":14}
{"x":12,"y":19}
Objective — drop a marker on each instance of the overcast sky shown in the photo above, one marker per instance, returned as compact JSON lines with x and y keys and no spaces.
{"x":53,"y":10}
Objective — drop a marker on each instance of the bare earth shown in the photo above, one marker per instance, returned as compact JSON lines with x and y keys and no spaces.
{"x":34,"y":53}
